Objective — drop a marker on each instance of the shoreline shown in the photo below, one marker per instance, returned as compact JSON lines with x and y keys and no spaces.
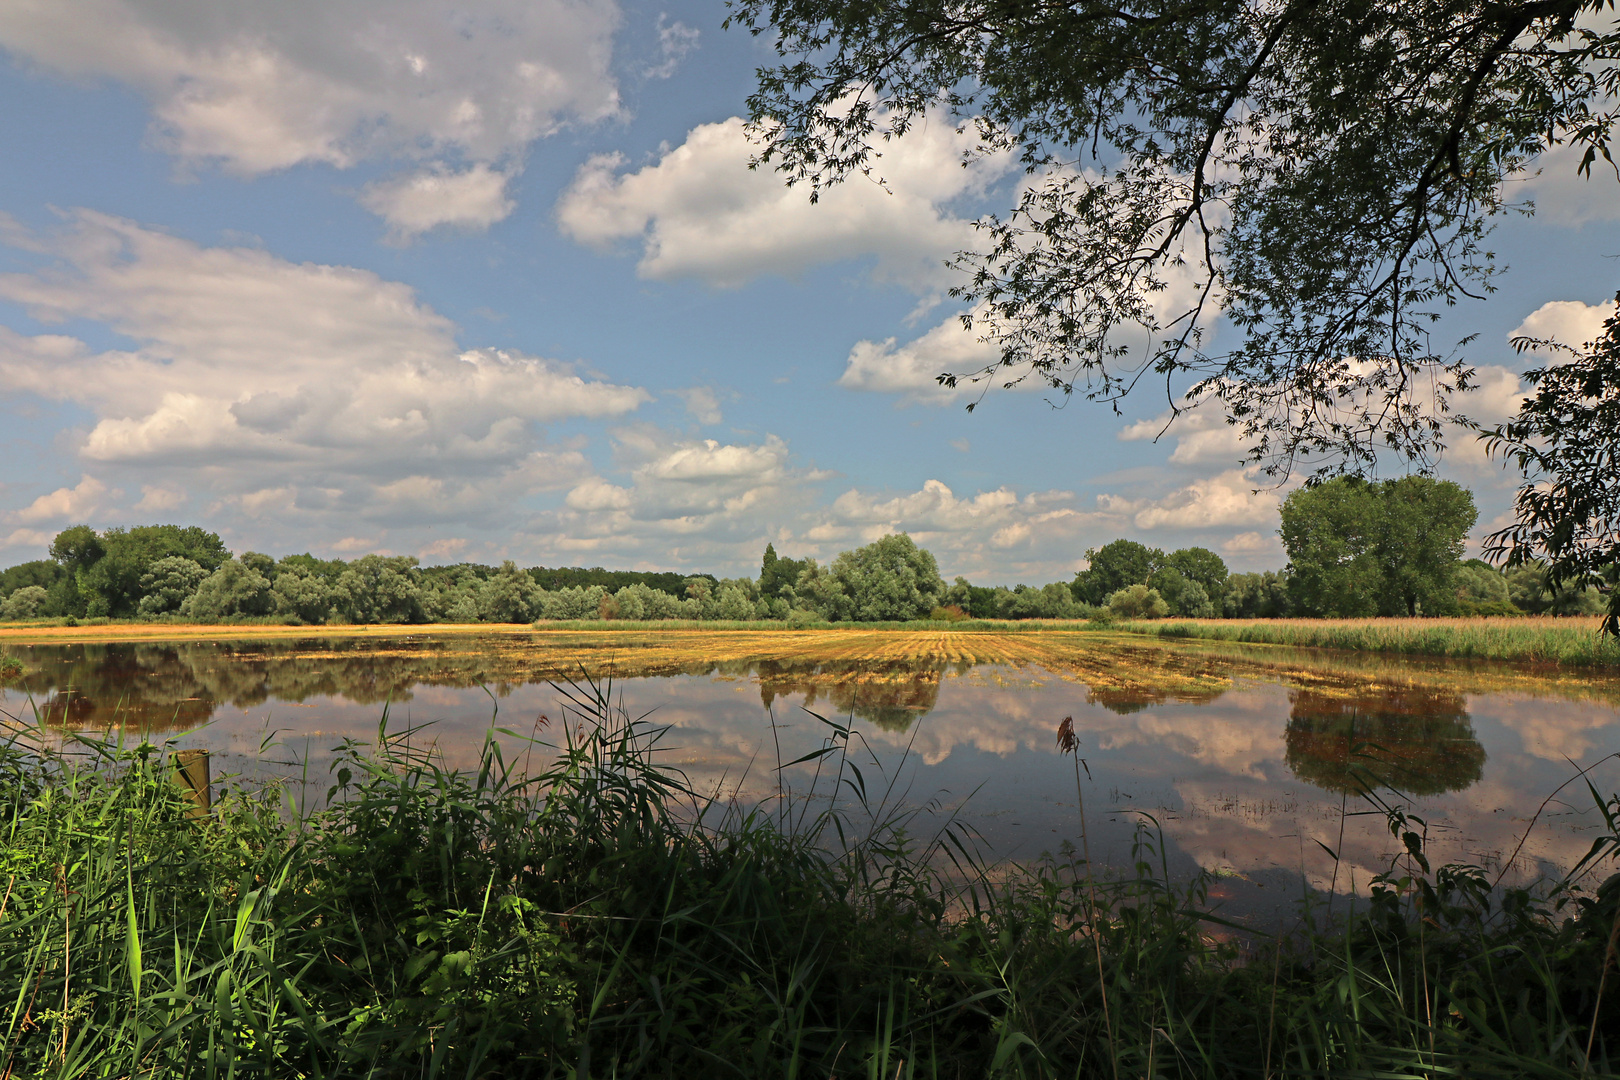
{"x":1563,"y":642}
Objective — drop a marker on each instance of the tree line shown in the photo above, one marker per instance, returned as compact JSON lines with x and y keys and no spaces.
{"x":1356,"y":548}
{"x":185,"y":573}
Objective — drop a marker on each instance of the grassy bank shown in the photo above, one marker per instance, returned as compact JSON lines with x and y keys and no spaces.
{"x":1565,"y":641}
{"x":598,"y":919}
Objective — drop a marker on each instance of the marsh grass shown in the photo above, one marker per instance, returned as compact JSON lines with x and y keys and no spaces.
{"x":1572,"y":641}
{"x":590,"y":914}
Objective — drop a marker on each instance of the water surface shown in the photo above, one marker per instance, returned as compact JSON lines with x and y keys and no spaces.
{"x":1252,"y":760}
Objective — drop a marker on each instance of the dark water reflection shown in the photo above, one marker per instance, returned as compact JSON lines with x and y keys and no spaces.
{"x":891,"y":695}
{"x":1243,"y":775}
{"x":1415,"y":740}
{"x":173,"y":687}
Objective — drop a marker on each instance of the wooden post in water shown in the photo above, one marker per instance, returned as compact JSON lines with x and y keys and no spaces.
{"x":191,"y":773}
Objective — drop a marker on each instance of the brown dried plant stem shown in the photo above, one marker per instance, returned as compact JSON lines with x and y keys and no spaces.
{"x":1603,"y":979}
{"x":1068,"y":744}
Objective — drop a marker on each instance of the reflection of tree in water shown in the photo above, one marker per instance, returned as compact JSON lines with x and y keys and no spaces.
{"x":1126,"y":700}
{"x":890,"y":694}
{"x":1415,"y":740}
{"x":176,"y":686}
{"x":164,"y":687}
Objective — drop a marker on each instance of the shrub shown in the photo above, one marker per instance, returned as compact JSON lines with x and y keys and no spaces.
{"x":1138,"y":602}
{"x":169,"y":584}
{"x":232,"y":590}
{"x":24,"y":603}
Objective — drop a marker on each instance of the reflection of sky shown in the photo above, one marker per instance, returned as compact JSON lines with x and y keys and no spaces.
{"x":1214,"y":773}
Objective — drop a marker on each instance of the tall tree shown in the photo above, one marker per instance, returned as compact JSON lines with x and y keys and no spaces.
{"x":777,"y":574}
{"x":1330,"y":532}
{"x":1357,"y":548}
{"x":1423,"y":527}
{"x":888,"y":579}
{"x":1202,"y":567}
{"x":1322,"y":173}
{"x":1115,"y":566}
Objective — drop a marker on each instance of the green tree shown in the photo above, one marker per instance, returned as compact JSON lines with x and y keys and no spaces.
{"x":1185,"y":598}
{"x":1203,"y":568}
{"x":381,"y":589}
{"x":168,"y":584}
{"x":1331,"y":534}
{"x":1425,"y":523}
{"x":108,"y":569}
{"x":1530,"y":588}
{"x":23,"y":603}
{"x":1565,"y":441}
{"x":1324,"y":176}
{"x":510,"y":596}
{"x":889,"y":579}
{"x":327,"y":569}
{"x":1390,"y":548}
{"x":1257,"y":596}
{"x":75,"y":550}
{"x":1482,"y":589}
{"x":777,"y":576}
{"x":305,"y":597}
{"x":1114,"y":566}
{"x":41,"y":572}
{"x":1138,"y":602}
{"x":233,"y":590}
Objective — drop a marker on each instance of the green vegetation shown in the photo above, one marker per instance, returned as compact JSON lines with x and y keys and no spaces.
{"x":599,"y":919}
{"x":1536,"y":640}
{"x":1054,"y":601}
{"x":1384,"y":549}
{"x":1563,"y":441}
{"x":164,"y":572}
{"x":1121,"y":576}
{"x":1357,"y":548}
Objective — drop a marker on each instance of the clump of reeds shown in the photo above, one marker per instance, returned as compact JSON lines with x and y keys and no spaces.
{"x":596,"y":917}
{"x":1572,"y":641}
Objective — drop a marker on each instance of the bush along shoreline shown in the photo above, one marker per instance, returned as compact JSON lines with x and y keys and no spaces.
{"x":599,"y":918}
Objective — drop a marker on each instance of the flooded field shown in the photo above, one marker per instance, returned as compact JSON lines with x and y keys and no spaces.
{"x":1251,"y":758}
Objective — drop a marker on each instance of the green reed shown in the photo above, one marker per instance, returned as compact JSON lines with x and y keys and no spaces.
{"x":1567,"y":641}
{"x":594,"y":916}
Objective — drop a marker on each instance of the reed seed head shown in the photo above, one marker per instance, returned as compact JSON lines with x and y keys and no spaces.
{"x":1065,"y":736}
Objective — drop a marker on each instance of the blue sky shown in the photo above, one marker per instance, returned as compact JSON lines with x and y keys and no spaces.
{"x":492,"y":280}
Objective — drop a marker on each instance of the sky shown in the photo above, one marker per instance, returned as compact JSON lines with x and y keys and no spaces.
{"x":493,"y":280}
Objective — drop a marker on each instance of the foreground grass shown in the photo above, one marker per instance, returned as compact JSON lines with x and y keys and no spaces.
{"x":1572,"y":642}
{"x":598,"y":919}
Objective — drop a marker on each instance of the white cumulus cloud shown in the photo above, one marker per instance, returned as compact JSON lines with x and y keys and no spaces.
{"x":1229,"y":498}
{"x":912,"y":369}
{"x":257,"y":87}
{"x":700,"y":212}
{"x":1563,"y":196}
{"x":472,"y":198}
{"x":1568,"y":322}
{"x":78,"y":501}
{"x":251,"y":374}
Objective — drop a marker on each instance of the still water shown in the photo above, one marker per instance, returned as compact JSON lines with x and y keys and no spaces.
{"x":1251,"y":760}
